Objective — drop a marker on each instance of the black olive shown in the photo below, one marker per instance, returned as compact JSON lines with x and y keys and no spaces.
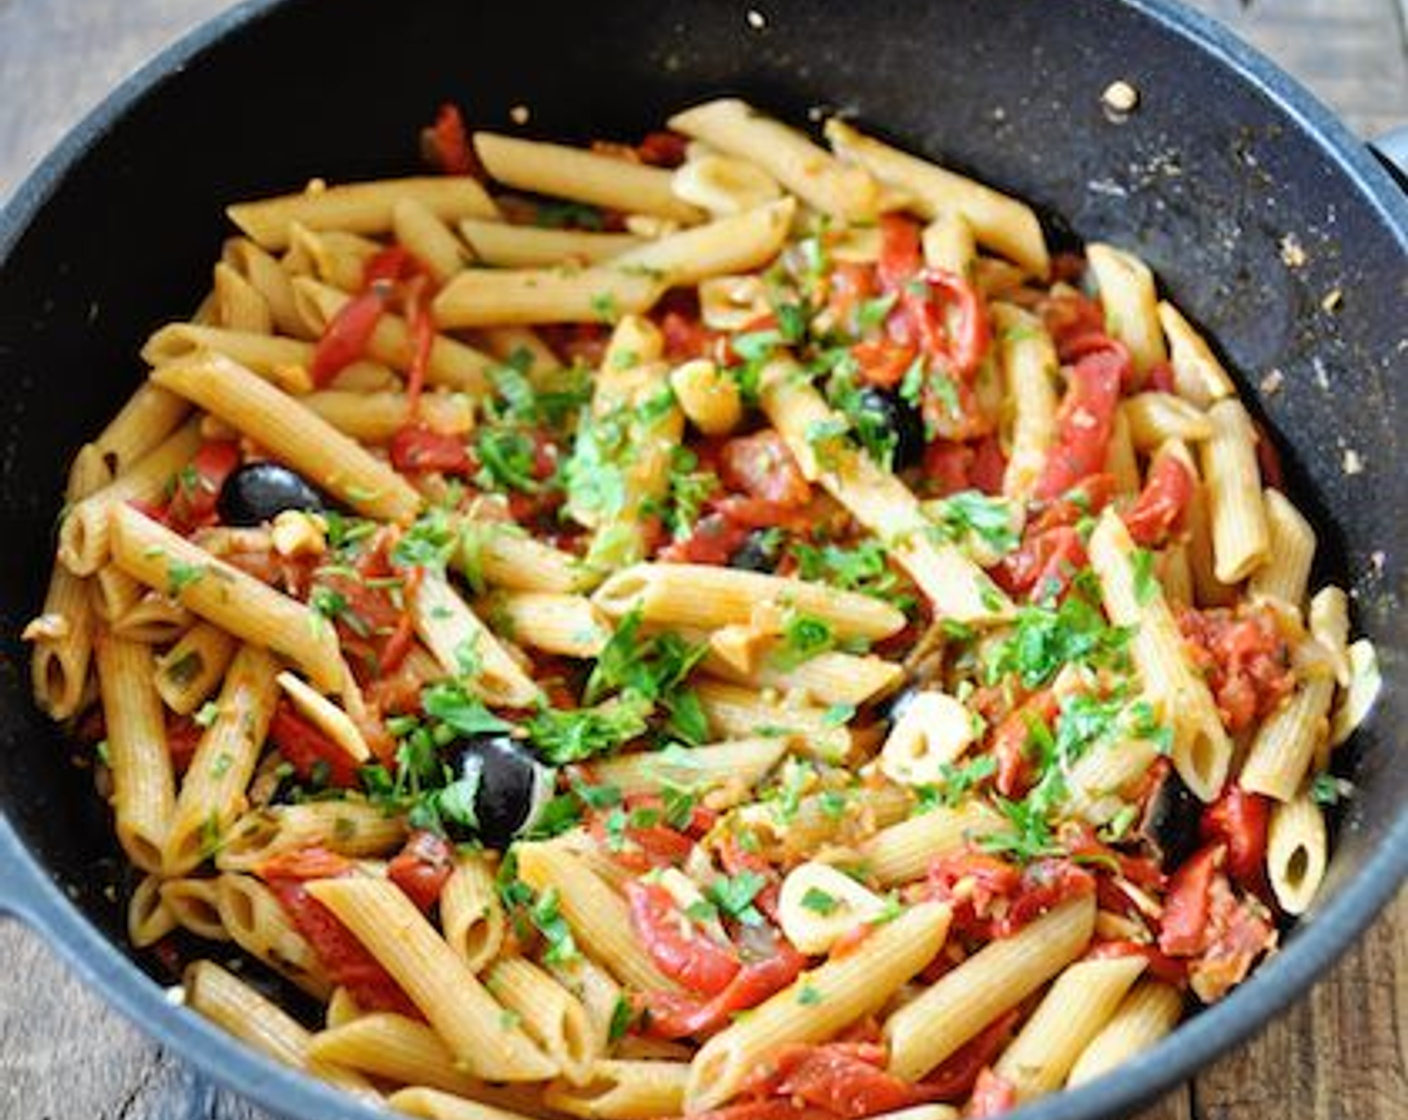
{"x":259,"y":492}
{"x":893,"y":707}
{"x":758,"y":553}
{"x":1170,"y":822}
{"x":511,"y":787}
{"x":894,"y":415}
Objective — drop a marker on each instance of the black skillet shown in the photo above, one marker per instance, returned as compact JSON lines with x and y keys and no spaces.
{"x":1223,"y":159}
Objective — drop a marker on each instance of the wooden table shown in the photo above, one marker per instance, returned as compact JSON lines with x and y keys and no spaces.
{"x":1339,"y":1055}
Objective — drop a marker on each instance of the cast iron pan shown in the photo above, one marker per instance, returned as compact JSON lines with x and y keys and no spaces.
{"x":1224,"y":158}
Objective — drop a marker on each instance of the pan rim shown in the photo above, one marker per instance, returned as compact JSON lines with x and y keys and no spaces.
{"x":1315,"y":947}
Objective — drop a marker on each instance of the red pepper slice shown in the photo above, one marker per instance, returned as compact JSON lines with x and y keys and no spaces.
{"x":197,"y":490}
{"x":416,"y":449}
{"x":422,"y":868}
{"x":681,"y":952}
{"x":347,"y":335}
{"x":304,"y":746}
{"x":847,"y":1079}
{"x":1239,"y":819}
{"x":1161,"y":966}
{"x":1183,"y":928}
{"x":955,"y":1077}
{"x":763,"y":466}
{"x":992,"y":1096}
{"x":674,"y":1016}
{"x":1159,"y":508}
{"x":447,"y":143}
{"x":1084,"y":421}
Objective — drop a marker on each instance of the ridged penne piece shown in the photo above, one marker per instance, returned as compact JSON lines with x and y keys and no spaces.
{"x":265,"y":275}
{"x":1154,"y":418}
{"x":435,"y":978}
{"x":349,"y":828}
{"x":1232,"y":479}
{"x":432,"y":1104}
{"x":149,"y":919}
{"x":948,"y":243}
{"x":484,"y":297}
{"x":376,"y":417}
{"x":737,"y":243}
{"x":840,"y":991}
{"x":1130,"y":302}
{"x":1197,"y":373}
{"x":901,"y":853}
{"x":188,"y":672}
{"x":256,"y":922}
{"x":1201,"y":749}
{"x":502,"y":555}
{"x":582,"y":176}
{"x":1120,"y":460}
{"x":1287,"y":741}
{"x":1027,"y":357}
{"x":598,"y":916}
{"x":226,"y":596}
{"x":828,"y":678}
{"x":428,"y":238}
{"x":569,"y":625}
{"x":623,"y":1090}
{"x":1329,"y":626}
{"x":396,"y":1048}
{"x":738,"y":712}
{"x":282,"y":360}
{"x":699,"y":769}
{"x":1148,"y":1013}
{"x":144,"y":784}
{"x":506,"y":246}
{"x":808,"y":171}
{"x":924,"y":1032}
{"x":466,"y":648}
{"x":359,"y":207}
{"x":193,"y":903}
{"x":213,"y":789}
{"x":471,"y":915}
{"x":552,"y":1016}
{"x":1284,"y":575}
{"x":999,"y":222}
{"x":150,"y":415}
{"x":238,"y":304}
{"x":1296,"y":852}
{"x":1078,"y":1005}
{"x":234,"y":1005}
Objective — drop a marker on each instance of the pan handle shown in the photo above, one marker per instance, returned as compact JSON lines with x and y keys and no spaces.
{"x":22,"y":885}
{"x":1392,"y":151}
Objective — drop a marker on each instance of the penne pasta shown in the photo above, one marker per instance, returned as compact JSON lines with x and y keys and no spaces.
{"x":1296,"y":852}
{"x":1144,"y":1016}
{"x":506,"y":246}
{"x":1130,"y":303}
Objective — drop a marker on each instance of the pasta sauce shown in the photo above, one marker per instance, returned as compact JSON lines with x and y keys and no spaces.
{"x":720,"y":627}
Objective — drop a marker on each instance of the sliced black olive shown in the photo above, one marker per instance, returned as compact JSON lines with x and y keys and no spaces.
{"x":259,"y":492}
{"x":510,"y":787}
{"x":759,"y":553}
{"x":1170,"y":822}
{"x":894,"y":415}
{"x":893,"y":707}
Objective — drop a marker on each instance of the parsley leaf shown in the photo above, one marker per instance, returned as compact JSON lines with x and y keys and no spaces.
{"x":971,"y":511}
{"x":571,"y":735}
{"x":452,"y":705}
{"x":734,"y":896}
{"x":546,"y":915}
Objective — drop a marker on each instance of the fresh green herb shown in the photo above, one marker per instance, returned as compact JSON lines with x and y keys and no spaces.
{"x":1046,"y":638}
{"x":594,"y":474}
{"x":838,"y":715}
{"x":819,"y":902}
{"x":1326,"y":789}
{"x":605,"y":307}
{"x":1030,"y":836}
{"x":971,"y":511}
{"x":508,"y":461}
{"x":552,"y":214}
{"x":862,"y":567}
{"x":448,"y":702}
{"x":803,"y":638}
{"x":734,"y":896}
{"x":809,"y":996}
{"x":912,"y":384}
{"x":180,"y":575}
{"x":208,"y":713}
{"x":957,"y":781}
{"x":620,"y":1020}
{"x":679,"y":806}
{"x":571,"y":735}
{"x":429,"y":543}
{"x":546,"y":915}
{"x":1146,"y":584}
{"x":184,"y":669}
{"x":873,"y":312}
{"x":827,"y":439}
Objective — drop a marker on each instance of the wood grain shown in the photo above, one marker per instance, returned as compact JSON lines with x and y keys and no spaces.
{"x":1340,"y":1054}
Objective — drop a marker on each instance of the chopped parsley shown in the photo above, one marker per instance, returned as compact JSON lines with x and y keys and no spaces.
{"x":180,"y":575}
{"x":861,"y":567}
{"x":1047,"y":637}
{"x":819,"y":902}
{"x":971,"y":511}
{"x":1146,"y":584}
{"x":734,"y":896}
{"x":1326,"y":789}
{"x":546,"y":916}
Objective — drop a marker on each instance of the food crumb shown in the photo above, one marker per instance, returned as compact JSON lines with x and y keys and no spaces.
{"x":1292,"y":251}
{"x":1353,"y":462}
{"x":1272,"y":382}
{"x":1333,"y":301}
{"x":1120,"y":99}
{"x":519,"y":114}
{"x":756,"y":20}
{"x":176,"y":996}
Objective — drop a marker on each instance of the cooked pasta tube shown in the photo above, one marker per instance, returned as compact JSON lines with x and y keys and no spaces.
{"x":1197,"y":374}
{"x":948,"y":243}
{"x":1365,"y":684}
{"x":1000,"y":223}
{"x":269,"y":279}
{"x":336,"y":725}
{"x":506,"y":246}
{"x":705,"y":597}
{"x":143,"y":794}
{"x":723,"y":185}
{"x":1149,"y":1012}
{"x":598,"y":916}
{"x":400,"y":1050}
{"x":738,"y":712}
{"x":336,"y":257}
{"x":599,"y":995}
{"x":924,"y":1032}
{"x":84,"y":532}
{"x":708,"y":397}
{"x":1102,"y":773}
{"x":1154,"y":418}
{"x":569,"y":625}
{"x":471,"y":915}
{"x":359,"y":207}
{"x":828,"y":678}
{"x":480,"y":297}
{"x":1027,"y":358}
{"x":1288,"y":739}
{"x":1120,"y":460}
{"x":256,"y":922}
{"x":234,"y":1005}
{"x":466,"y":648}
{"x":1329,"y":626}
{"x":376,"y":417}
{"x":699,"y":769}
{"x":238,"y":304}
{"x":502,"y":554}
{"x":882,"y":503}
{"x":61,"y":636}
{"x":1078,"y":1005}
{"x":192,"y":903}
{"x":349,"y":828}
{"x":149,"y":919}
{"x":150,"y":415}
{"x":294,"y":434}
{"x":450,"y":364}
{"x":582,"y":176}
{"x":435,"y":978}
{"x":187,"y":673}
{"x":1236,"y":510}
{"x":213,"y":790}
{"x":808,"y":171}
{"x":842,"y":990}
{"x":431,"y":241}
{"x":737,"y":243}
{"x":1131,"y":305}
{"x":1201,"y":749}
{"x":1284,"y":575}
{"x":114,"y":593}
{"x":902,"y":852}
{"x":285,"y":360}
{"x":553,"y":1017}
{"x":1296,"y":847}
{"x":623,"y":1090}
{"x":431,"y":1104}
{"x":234,"y":601}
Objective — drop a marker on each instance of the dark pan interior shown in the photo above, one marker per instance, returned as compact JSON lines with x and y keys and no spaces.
{"x":1206,"y":181}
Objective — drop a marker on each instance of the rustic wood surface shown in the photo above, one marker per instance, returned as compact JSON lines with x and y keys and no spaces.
{"x":1340,"y":1054}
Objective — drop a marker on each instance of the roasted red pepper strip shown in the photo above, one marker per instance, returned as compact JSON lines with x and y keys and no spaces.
{"x":1239,"y":819}
{"x":422,"y":868}
{"x":681,"y":951}
{"x":847,"y":1079}
{"x":447,"y":143}
{"x":1185,"y":918}
{"x":1159,"y":508}
{"x":1084,"y":421}
{"x":673,"y":1016}
{"x":304,"y":746}
{"x":422,"y":329}
{"x":763,"y":466}
{"x":197,"y":490}
{"x":955,"y":1077}
{"x":416,"y":449}
{"x":347,"y":335}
